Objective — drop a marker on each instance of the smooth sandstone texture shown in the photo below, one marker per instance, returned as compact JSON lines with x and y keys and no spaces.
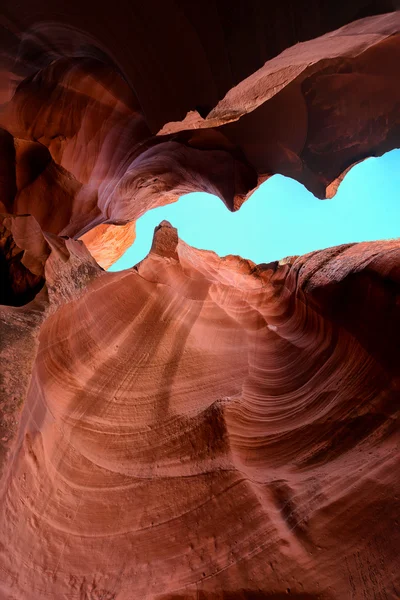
{"x":80,"y":148}
{"x":194,"y":428}
{"x":177,"y":55}
{"x":203,"y":427}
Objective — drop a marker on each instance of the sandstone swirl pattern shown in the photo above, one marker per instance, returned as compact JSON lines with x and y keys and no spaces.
{"x":193,"y":428}
{"x":83,"y":148}
{"x":201,"y":426}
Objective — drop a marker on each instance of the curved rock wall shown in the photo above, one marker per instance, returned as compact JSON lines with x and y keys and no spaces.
{"x":203,"y":426}
{"x":78,"y":145}
{"x":195,"y":427}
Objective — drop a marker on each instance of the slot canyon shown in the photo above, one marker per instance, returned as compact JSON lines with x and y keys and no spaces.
{"x":195,"y":427}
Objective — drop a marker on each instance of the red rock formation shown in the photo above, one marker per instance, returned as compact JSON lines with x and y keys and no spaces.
{"x":203,"y":426}
{"x":107,"y":243}
{"x":23,"y":252}
{"x":194,"y":427}
{"x":178,"y":55}
{"x":309,"y":113}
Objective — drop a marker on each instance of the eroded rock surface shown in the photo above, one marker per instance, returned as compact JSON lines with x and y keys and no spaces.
{"x":80,"y":148}
{"x":199,"y":425}
{"x":195,"y":427}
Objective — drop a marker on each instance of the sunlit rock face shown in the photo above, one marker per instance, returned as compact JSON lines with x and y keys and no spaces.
{"x":195,"y":427}
{"x":199,"y":425}
{"x":84,"y":144}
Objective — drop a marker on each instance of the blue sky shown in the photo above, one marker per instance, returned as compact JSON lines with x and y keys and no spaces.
{"x":282,"y":218}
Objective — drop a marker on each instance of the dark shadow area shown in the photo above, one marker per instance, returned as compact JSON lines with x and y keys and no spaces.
{"x":18,"y":285}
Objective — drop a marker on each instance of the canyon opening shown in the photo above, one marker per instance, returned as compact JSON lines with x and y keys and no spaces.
{"x":199,"y":300}
{"x":282,"y":218}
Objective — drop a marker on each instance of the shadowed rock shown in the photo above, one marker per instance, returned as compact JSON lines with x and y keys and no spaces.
{"x":196,"y":427}
{"x":309,"y":112}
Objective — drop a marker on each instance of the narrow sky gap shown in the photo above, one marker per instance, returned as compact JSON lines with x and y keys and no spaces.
{"x":282,"y":218}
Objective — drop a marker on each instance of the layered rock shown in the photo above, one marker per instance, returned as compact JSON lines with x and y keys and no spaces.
{"x":195,"y":427}
{"x":80,"y":148}
{"x":205,"y":427}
